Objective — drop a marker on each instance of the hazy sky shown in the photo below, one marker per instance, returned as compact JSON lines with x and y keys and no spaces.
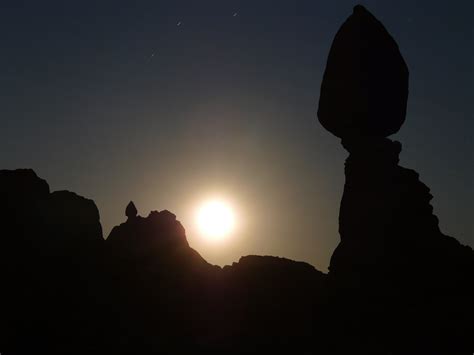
{"x":168,"y":103}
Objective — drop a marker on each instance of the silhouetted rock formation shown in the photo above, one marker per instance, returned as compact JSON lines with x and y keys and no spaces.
{"x":365,"y":86}
{"x":157,"y":283}
{"x":131,"y":210}
{"x":142,"y":291}
{"x":275,"y":304}
{"x":180,"y":302}
{"x":49,"y":248}
{"x":398,"y":284}
{"x":141,"y":238}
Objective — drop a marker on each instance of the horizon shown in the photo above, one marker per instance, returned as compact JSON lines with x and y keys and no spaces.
{"x":259,"y":198}
{"x":128,"y":105}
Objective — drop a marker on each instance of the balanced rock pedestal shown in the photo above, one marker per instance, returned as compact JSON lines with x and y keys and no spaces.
{"x":398,"y":284}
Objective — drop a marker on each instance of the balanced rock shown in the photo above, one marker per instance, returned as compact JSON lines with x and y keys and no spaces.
{"x":131,"y":210}
{"x":396,"y":282}
{"x":365,"y":86}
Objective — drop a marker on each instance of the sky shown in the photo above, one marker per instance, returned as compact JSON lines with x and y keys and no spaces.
{"x":170,"y":103}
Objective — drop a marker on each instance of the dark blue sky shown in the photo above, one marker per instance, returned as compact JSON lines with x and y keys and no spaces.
{"x":115,"y":101}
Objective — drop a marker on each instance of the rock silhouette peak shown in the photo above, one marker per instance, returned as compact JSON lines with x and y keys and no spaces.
{"x":365,"y":85}
{"x":131,"y":210}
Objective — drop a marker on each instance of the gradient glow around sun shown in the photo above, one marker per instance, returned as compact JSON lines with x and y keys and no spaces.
{"x":215,"y":220}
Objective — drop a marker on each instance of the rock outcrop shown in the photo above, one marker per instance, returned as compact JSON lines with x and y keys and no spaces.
{"x":143,"y":290}
{"x":169,"y":292}
{"x":275,"y":305}
{"x":396,"y":281}
{"x":141,"y":238}
{"x":131,"y":210}
{"x":50,"y":246}
{"x":365,"y":86}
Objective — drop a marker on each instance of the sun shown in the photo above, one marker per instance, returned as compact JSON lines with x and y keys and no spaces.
{"x":215,"y":220}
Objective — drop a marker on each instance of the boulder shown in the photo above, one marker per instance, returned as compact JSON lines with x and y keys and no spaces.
{"x":365,"y":85}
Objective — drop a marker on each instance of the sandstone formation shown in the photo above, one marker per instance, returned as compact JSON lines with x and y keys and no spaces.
{"x":398,"y":285}
{"x":365,"y":86}
{"x":143,"y":290}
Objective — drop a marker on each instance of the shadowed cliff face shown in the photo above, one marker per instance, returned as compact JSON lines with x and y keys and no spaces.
{"x":171,"y":294}
{"x":393,"y":264}
{"x":49,"y":256}
{"x":396,"y":281}
{"x":143,"y":290}
{"x":396,"y":285}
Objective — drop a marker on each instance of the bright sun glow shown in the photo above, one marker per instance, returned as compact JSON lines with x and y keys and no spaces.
{"x":215,"y":220}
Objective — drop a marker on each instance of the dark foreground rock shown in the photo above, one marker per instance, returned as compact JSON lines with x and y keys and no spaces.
{"x":396,"y":285}
{"x":365,"y":86}
{"x":143,"y":290}
{"x":50,"y":249}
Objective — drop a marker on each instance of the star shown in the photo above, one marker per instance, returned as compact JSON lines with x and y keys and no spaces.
{"x":151,"y":57}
